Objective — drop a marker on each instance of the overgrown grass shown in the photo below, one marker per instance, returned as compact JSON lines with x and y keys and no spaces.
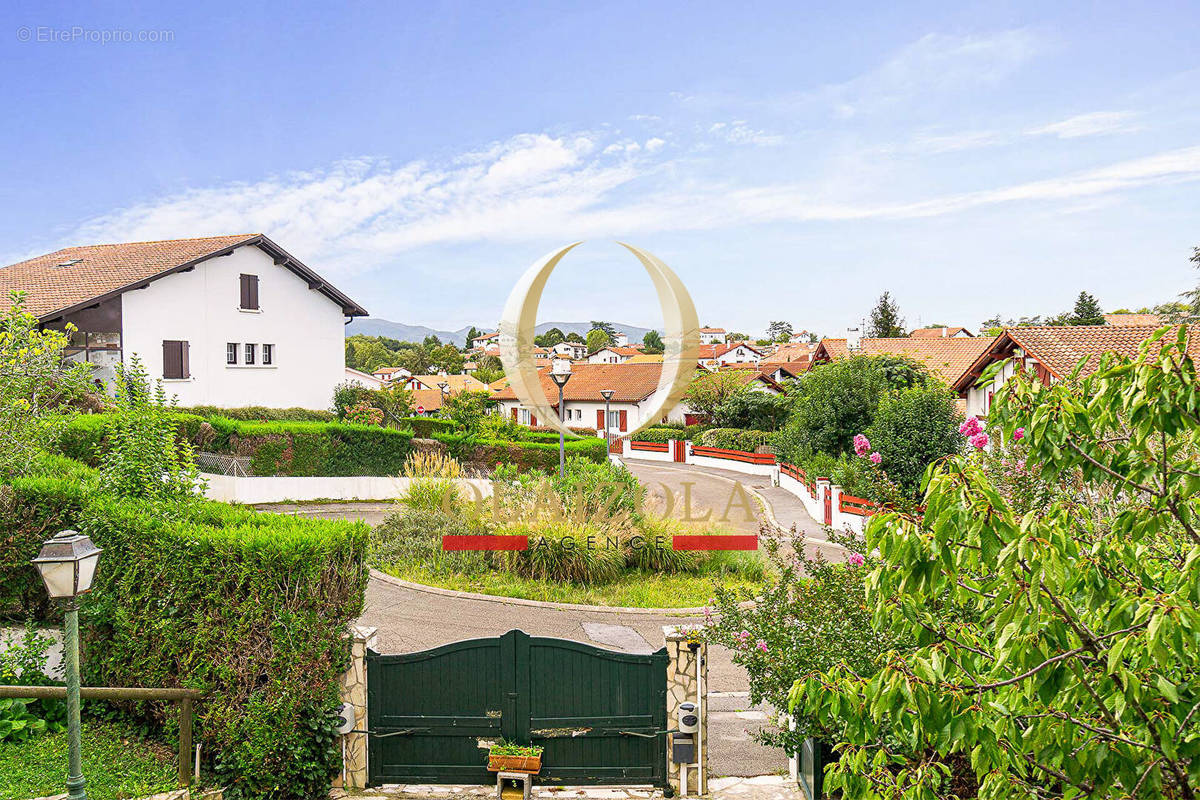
{"x":116,"y":763}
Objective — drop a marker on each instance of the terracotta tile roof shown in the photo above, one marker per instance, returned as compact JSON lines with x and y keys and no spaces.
{"x":428,"y":399}
{"x":631,"y":382}
{"x":646,"y":358}
{"x":73,"y":276}
{"x":794,"y":351}
{"x":1059,"y":348}
{"x":793,"y":368}
{"x":1132,"y":319}
{"x":709,"y":351}
{"x":457,"y":383}
{"x":712,"y":330}
{"x":946,"y":359}
{"x":939,"y":333}
{"x":619,"y":350}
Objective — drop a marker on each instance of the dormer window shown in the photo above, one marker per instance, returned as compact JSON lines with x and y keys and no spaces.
{"x":249,"y":301}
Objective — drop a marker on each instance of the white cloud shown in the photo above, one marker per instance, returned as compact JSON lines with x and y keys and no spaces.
{"x":1092,"y":124}
{"x":654,"y":144}
{"x":739,"y":132}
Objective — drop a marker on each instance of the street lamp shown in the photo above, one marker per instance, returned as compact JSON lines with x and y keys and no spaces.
{"x":607,"y":395}
{"x":67,"y":563}
{"x":445,"y":388}
{"x":560,"y":373}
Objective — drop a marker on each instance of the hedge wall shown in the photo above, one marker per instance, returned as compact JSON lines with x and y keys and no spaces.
{"x":734,"y":439}
{"x":425,"y":427}
{"x":525,"y":455}
{"x":261,"y":413}
{"x":251,"y":608}
{"x":663,"y":433}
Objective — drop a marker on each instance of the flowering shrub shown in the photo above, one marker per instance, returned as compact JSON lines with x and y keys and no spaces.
{"x":363,"y":413}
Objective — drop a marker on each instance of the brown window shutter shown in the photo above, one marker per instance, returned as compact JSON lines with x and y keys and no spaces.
{"x":171,"y":360}
{"x":600,"y":418}
{"x":624,"y":421}
{"x":185,"y":349}
{"x":532,"y":421}
{"x":249,"y":286}
{"x":514,"y":415}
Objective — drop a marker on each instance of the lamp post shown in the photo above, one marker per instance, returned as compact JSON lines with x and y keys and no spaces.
{"x":445,"y":388}
{"x":560,"y":373}
{"x":67,"y":563}
{"x":607,"y":395}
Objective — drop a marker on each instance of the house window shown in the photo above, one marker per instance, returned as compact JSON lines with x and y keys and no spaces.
{"x":268,"y":354}
{"x":249,"y":301}
{"x":231,"y":349}
{"x":614,"y":419}
{"x":250,"y":348}
{"x":175,"y":359}
{"x":524,"y":416}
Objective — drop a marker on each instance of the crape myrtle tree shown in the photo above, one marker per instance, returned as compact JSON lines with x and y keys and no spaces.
{"x":1053,"y":602}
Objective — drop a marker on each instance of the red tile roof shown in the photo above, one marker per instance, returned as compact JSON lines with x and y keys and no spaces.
{"x":631,"y":382}
{"x":1059,"y":348}
{"x":939,"y":333}
{"x":945,"y":359}
{"x":1132,"y":319}
{"x":61,"y":281}
{"x":710,"y":351}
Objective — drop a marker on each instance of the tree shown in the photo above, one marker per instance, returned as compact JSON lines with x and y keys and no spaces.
{"x":607,"y":327}
{"x":1087,"y":311}
{"x":709,"y":390}
{"x":652,"y":342}
{"x":473,"y":333}
{"x":447,"y":359}
{"x":468,"y":408}
{"x":597,"y":340}
{"x":550,"y":338}
{"x":749,"y":410}
{"x":779,"y":331}
{"x":1052,"y":598}
{"x":911,"y":430}
{"x":1191,"y":298}
{"x":37,"y":386}
{"x":575,"y":337}
{"x":885,"y":321}
{"x":736,"y":337}
{"x":418,"y":359}
{"x":834,"y":402}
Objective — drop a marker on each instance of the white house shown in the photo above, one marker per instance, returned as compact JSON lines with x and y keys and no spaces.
{"x":633,"y":386}
{"x":224,"y":320}
{"x":613,"y":355}
{"x":715,"y":356}
{"x":363,"y":379}
{"x":620,"y":339}
{"x":481,"y":342}
{"x":571,"y":350}
{"x":712,"y":336}
{"x":390,"y":375}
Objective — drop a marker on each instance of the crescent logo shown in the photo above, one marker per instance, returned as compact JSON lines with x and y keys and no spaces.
{"x":681,"y":342}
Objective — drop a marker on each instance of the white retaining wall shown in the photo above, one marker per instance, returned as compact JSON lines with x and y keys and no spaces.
{"x":232,"y":489}
{"x":627,"y":451}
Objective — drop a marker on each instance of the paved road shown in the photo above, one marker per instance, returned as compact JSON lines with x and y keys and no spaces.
{"x":410,"y":619}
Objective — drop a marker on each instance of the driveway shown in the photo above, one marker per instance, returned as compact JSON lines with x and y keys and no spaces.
{"x":410,"y":618}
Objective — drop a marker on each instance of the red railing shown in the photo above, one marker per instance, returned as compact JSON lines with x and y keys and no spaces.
{"x":858,"y":506}
{"x":652,"y":447}
{"x":792,"y":471}
{"x":765,"y":459}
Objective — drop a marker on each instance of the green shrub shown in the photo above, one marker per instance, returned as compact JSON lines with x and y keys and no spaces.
{"x":251,"y":608}
{"x":913,"y":429}
{"x":425,"y":427}
{"x":562,"y":550}
{"x":261,"y":413}
{"x":414,"y":536}
{"x":735,"y":439}
{"x":488,"y":453}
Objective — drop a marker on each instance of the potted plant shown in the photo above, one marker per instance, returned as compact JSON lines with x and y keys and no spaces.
{"x":506,"y":756}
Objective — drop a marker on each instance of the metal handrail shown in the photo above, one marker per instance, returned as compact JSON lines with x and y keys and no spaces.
{"x":185,"y":698}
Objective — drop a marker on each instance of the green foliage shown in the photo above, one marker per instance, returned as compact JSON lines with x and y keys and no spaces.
{"x":779,"y":331}
{"x":507,"y":748}
{"x":759,"y":411}
{"x":665,"y":433}
{"x":260,"y":413}
{"x":17,"y":722}
{"x":1087,"y":311}
{"x":597,"y":340}
{"x":395,"y":402}
{"x":484,"y":453}
{"x":652,"y":342}
{"x":734,"y":439}
{"x":37,"y":386}
{"x":709,"y":390}
{"x":807,"y":617}
{"x":833,"y":402}
{"x":1056,"y":628}
{"x":23,"y":662}
{"x":550,"y":338}
{"x":467,"y":409}
{"x":885,"y":321}
{"x":425,"y":427}
{"x":142,"y":455}
{"x":913,"y":429}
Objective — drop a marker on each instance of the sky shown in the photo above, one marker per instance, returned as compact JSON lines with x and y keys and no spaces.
{"x":790,"y":161}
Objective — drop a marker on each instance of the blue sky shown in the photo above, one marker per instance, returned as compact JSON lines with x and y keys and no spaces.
{"x":789,"y":161}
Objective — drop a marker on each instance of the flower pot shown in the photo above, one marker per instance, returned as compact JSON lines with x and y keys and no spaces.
{"x":502,"y":763}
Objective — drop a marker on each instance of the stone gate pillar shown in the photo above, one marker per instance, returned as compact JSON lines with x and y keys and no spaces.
{"x":687,"y":672}
{"x":353,"y":690}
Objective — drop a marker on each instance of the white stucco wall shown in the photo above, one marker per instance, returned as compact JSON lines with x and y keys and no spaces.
{"x":201,"y":307}
{"x":977,"y":396}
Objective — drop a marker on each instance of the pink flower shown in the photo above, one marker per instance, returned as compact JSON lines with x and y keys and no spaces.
{"x":1018,"y":434}
{"x":862,"y":445}
{"x":876,"y":458}
{"x":761,"y":645}
{"x":970,"y":427}
{"x":979,"y":440}
{"x":744,"y":635}
{"x":855,"y":559}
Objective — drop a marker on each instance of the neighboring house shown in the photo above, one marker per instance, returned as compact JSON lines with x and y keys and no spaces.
{"x":612,"y":355}
{"x":482,"y":342}
{"x":803,"y":336}
{"x":715,"y":356}
{"x":712,"y":336}
{"x":944,"y":332}
{"x":363,"y":379}
{"x":620,"y":339}
{"x":223,"y":320}
{"x":785,"y":371}
{"x":945,"y":358}
{"x":455,"y":383}
{"x":571,"y":350}
{"x":426,"y":402}
{"x":1051,"y":352}
{"x":392,"y":374}
{"x":791,"y":353}
{"x":1125,"y":320}
{"x":583,"y":405}
{"x":755,"y":380}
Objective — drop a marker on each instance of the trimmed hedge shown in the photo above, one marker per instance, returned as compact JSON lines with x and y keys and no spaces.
{"x":734,"y":439}
{"x":261,"y":413}
{"x":524,"y":455}
{"x":664,"y":433}
{"x":425,"y":427}
{"x":251,"y":608}
{"x":274,"y":448}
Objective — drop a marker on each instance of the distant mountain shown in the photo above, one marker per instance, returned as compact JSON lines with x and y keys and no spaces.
{"x":369,"y":326}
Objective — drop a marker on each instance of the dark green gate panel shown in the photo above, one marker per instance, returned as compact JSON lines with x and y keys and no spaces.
{"x":599,"y":714}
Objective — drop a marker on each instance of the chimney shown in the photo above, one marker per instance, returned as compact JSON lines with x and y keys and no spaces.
{"x":853,"y":338}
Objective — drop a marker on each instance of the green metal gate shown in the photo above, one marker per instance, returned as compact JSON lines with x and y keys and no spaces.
{"x":600,"y":714}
